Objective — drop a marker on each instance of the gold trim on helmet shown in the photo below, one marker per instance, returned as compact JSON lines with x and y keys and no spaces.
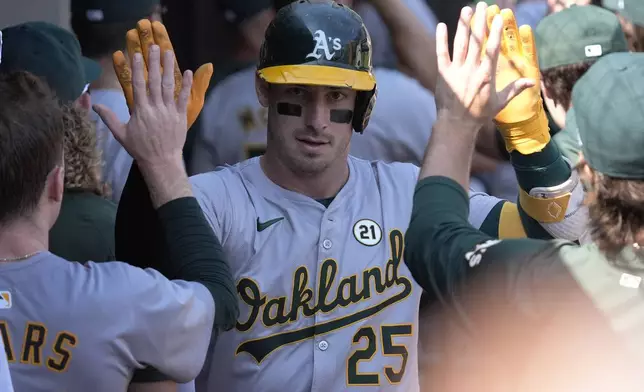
{"x":318,"y":75}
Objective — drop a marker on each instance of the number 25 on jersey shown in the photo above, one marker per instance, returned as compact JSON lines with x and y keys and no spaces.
{"x":389,"y":348}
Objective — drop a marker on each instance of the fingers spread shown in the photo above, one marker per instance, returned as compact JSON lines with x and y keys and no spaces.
{"x":124,"y":75}
{"x":479,"y":33}
{"x":442,"y":47}
{"x":168,"y":84}
{"x":511,"y":41}
{"x":154,"y":77}
{"x":462,"y":37}
{"x":528,"y":45}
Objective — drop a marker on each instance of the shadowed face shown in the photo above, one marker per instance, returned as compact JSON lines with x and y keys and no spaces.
{"x":309,"y":127}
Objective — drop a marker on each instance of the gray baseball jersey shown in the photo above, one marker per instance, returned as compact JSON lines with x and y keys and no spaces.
{"x":326,"y":301}
{"x":87,"y":327}
{"x":233,"y":125}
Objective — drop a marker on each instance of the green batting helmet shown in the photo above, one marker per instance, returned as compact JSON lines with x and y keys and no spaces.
{"x":321,"y":43}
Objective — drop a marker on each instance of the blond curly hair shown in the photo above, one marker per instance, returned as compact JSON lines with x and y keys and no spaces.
{"x":83,"y":159}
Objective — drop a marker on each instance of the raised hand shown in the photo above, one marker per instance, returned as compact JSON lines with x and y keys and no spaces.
{"x":467,"y":85}
{"x":156,"y":132}
{"x":523,"y":121}
{"x":140,"y":40}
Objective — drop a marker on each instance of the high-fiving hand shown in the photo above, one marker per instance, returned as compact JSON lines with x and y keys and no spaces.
{"x":140,"y":40}
{"x":467,"y":86}
{"x":156,"y":131}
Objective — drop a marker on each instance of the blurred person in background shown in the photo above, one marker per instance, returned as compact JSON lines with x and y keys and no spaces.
{"x":569,"y":42}
{"x":100,"y":26}
{"x":631,"y":16}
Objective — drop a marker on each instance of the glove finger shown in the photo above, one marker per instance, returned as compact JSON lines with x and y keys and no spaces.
{"x":512,"y":43}
{"x":201,"y":81}
{"x":124,"y":75}
{"x":144,"y":30}
{"x":133,"y":44}
{"x":162,"y":39}
{"x":528,"y":45}
{"x":492,"y":11}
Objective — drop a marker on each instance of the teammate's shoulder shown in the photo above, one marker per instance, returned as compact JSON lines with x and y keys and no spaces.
{"x":396,"y":171}
{"x":245,"y":76}
{"x":230,"y":177}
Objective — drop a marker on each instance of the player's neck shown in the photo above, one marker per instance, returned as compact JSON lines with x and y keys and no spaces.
{"x":322,"y":185}
{"x":108,"y":79}
{"x":21,"y":238}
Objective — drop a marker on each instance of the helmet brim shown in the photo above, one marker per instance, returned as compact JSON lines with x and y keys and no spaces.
{"x":319,"y":75}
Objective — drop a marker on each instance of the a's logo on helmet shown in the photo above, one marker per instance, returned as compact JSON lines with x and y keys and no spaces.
{"x":322,"y":44}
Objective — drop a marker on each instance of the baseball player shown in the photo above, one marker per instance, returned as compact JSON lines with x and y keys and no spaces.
{"x":568,"y":43}
{"x":631,"y":16}
{"x":563,"y":317}
{"x":100,"y":26}
{"x":79,"y":327}
{"x":315,"y":236}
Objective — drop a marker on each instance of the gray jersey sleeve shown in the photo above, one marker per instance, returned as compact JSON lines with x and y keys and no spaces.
{"x":169,"y":323}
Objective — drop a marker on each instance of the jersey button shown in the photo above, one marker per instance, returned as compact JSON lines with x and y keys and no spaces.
{"x":323,"y":345}
{"x":327,"y":244}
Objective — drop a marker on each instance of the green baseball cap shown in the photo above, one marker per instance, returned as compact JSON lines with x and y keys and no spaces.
{"x":578,"y":34}
{"x":633,"y":10}
{"x":49,"y":52}
{"x":609,"y":112}
{"x":112,"y":11}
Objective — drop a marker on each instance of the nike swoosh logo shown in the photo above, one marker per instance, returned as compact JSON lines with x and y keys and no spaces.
{"x":261,"y":226}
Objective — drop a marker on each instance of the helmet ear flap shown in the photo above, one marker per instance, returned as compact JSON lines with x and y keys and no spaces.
{"x":365,"y":101}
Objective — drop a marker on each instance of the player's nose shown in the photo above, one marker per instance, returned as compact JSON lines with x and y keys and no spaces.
{"x":317,"y":117}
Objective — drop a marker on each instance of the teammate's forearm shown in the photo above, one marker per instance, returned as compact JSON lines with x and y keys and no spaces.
{"x":449,"y":138}
{"x":166,"y":182}
{"x":545,"y":168}
{"x":195,"y":254}
{"x":415,"y":46}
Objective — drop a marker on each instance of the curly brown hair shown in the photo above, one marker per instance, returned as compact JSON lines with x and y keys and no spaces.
{"x":559,"y":81}
{"x":616,"y":211}
{"x":82,"y":156}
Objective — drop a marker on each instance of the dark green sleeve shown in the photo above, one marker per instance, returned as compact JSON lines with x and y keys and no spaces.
{"x":446,"y":255}
{"x":541,"y":169}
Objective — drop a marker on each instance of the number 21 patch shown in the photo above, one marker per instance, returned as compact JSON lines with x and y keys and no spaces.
{"x":367,"y":232}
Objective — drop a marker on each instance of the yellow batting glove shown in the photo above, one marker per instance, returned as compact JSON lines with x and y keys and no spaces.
{"x":139,"y":40}
{"x":523,"y":122}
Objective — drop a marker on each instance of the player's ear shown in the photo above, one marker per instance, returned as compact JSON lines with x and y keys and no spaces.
{"x":261,"y":87}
